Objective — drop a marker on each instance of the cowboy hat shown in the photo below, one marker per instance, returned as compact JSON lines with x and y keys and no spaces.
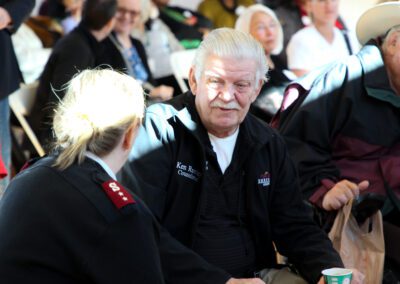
{"x":377,"y":20}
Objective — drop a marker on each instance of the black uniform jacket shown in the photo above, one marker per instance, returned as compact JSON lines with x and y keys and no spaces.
{"x":10,"y":76}
{"x":65,"y":227}
{"x":168,"y":164}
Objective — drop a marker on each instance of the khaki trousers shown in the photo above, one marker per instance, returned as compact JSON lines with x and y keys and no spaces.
{"x":280,"y":276}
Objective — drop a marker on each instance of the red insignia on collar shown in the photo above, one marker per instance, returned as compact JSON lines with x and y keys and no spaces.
{"x":117,"y":193}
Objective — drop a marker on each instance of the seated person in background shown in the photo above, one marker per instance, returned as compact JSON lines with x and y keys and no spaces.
{"x":321,"y":42}
{"x":342,"y":129}
{"x":159,"y":43}
{"x":67,"y":13}
{"x":65,"y":219}
{"x":188,"y":26}
{"x":74,"y":14}
{"x":262,"y":24}
{"x":31,"y":54}
{"x":53,"y":8}
{"x":223,"y":13}
{"x":220,"y":180}
{"x":293,"y":16}
{"x":78,"y":50}
{"x":123,"y":52}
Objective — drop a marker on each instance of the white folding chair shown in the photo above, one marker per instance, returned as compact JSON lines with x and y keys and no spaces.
{"x":21,"y":103}
{"x":181,"y":61}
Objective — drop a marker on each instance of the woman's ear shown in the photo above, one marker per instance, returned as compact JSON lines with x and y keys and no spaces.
{"x":130,"y":136}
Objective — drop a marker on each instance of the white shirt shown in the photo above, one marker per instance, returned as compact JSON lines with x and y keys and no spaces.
{"x":308,"y":49}
{"x":224,"y":147}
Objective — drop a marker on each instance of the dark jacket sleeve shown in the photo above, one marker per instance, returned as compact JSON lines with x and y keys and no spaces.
{"x":127,"y":252}
{"x":71,"y":60}
{"x":309,"y":127}
{"x":18,"y":10}
{"x":294,"y":232}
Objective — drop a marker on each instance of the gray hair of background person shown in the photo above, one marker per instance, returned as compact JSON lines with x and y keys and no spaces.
{"x":97,"y":13}
{"x":99,"y":106}
{"x":229,"y":43}
{"x":244,"y":21}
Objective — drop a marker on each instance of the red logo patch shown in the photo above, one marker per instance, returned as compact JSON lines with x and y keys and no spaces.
{"x":117,"y":193}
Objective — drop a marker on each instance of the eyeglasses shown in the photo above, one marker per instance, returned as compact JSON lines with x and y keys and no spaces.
{"x":131,"y":13}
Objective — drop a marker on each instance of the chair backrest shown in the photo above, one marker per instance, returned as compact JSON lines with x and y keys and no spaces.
{"x":24,"y":98}
{"x":21,"y":103}
{"x":181,"y":61}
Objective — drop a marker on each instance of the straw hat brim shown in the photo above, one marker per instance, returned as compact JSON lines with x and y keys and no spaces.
{"x":377,"y":20}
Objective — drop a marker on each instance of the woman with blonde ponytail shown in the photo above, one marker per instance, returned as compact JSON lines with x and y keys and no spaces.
{"x":66,"y":219}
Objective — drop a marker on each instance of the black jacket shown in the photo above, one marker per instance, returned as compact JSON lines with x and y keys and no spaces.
{"x":167,"y":168}
{"x":70,"y":227}
{"x":10,"y":74}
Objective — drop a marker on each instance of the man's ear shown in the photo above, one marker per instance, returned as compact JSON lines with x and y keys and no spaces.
{"x":192,"y":81}
{"x":392,"y":40}
{"x":257,"y":90}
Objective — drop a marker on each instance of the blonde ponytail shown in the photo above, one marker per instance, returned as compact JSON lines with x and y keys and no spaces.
{"x":99,"y":106}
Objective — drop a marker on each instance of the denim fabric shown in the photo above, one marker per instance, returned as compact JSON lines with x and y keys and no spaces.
{"x":5,"y":141}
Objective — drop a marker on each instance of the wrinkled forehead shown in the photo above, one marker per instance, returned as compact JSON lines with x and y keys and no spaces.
{"x":230,"y":67}
{"x":130,"y":4}
{"x":261,"y":16}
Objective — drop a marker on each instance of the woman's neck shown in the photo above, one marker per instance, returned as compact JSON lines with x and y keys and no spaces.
{"x":270,"y":63}
{"x":124,"y":40}
{"x":327,"y":31}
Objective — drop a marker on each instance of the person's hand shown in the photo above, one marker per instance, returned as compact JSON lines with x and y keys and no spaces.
{"x":341,"y":193}
{"x":162,"y":92}
{"x":357,"y":277}
{"x":5,"y":18}
{"x":245,"y":281}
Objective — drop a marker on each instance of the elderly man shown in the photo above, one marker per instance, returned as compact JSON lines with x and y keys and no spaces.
{"x":220,"y":180}
{"x":343,"y":130}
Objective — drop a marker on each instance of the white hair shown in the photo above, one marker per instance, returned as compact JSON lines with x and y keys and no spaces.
{"x":98,"y":107}
{"x":230,"y":43}
{"x":244,"y":21}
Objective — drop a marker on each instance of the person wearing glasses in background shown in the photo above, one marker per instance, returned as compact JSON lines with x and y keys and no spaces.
{"x":125,"y":53}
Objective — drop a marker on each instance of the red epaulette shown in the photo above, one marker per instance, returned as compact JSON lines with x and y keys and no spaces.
{"x":119,"y":196}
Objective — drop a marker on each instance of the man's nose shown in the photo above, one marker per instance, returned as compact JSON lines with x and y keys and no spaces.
{"x":227,"y":93}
